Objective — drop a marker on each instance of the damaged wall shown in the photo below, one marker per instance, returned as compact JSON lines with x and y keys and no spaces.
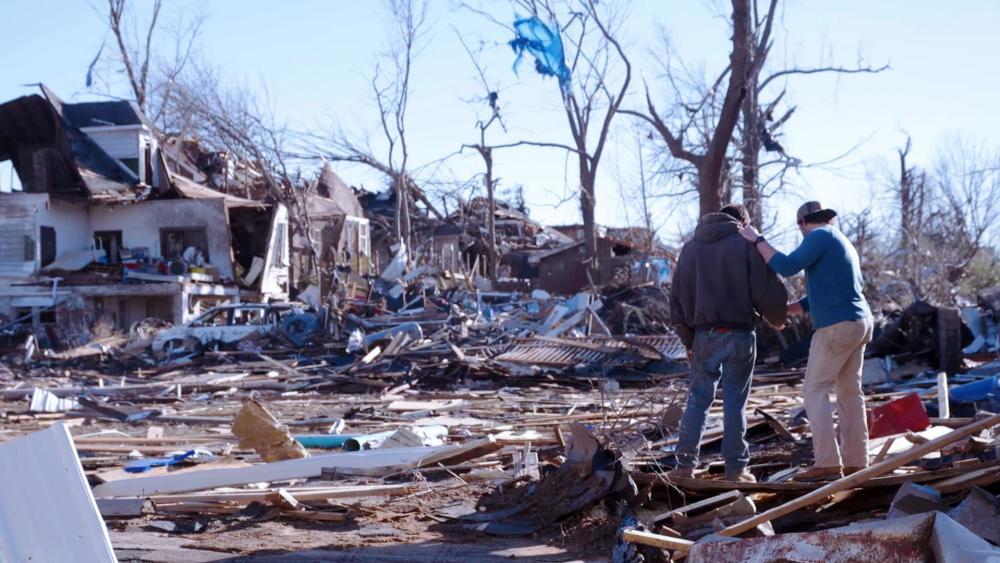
{"x":18,"y":236}
{"x":275,"y":277}
{"x":69,"y":220}
{"x":141,"y":226}
{"x":22,"y":215}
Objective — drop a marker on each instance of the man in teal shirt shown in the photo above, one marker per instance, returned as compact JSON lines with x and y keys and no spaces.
{"x":843,"y":324}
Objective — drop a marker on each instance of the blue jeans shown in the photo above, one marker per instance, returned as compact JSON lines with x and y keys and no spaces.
{"x":728,"y":356}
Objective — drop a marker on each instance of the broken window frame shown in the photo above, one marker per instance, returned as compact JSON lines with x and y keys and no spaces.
{"x":47,"y":252}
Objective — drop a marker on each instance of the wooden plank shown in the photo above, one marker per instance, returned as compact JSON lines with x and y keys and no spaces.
{"x":371,"y":462}
{"x":123,"y":440}
{"x":657,"y":540}
{"x":976,"y":478}
{"x":302,"y":494}
{"x":119,"y":507}
{"x":704,"y":503}
{"x":885,"y":449}
{"x":46,"y":510}
{"x":147,"y":450}
{"x":701,"y":485}
{"x":317,"y":516}
{"x":862,"y":476}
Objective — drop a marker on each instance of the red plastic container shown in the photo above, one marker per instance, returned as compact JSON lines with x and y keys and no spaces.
{"x":906,"y":414}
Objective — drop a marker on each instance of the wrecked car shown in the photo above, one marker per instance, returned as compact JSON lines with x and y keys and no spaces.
{"x":227,"y":325}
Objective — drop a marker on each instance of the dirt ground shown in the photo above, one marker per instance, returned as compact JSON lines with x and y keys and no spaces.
{"x":407,"y":528}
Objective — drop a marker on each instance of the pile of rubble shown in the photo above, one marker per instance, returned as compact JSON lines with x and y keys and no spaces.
{"x":463,"y":415}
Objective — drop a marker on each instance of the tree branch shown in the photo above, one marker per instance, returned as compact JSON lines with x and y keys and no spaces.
{"x":823,"y":69}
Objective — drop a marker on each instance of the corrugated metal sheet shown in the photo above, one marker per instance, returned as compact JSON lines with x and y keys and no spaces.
{"x":593,"y":351}
{"x":931,"y":536}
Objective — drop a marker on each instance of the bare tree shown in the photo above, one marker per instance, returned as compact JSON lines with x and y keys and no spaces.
{"x":967,"y":181}
{"x":946,"y":222}
{"x":912,"y":196}
{"x":152,"y":63}
{"x":593,"y":95}
{"x":760,"y":128}
{"x":236,"y":119}
{"x":638,"y":194}
{"x":491,"y":98}
{"x":391,"y":86}
{"x":719,"y":134}
{"x":745,"y":60}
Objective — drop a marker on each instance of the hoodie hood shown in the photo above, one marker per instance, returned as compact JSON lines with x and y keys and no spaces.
{"x":716,"y":226}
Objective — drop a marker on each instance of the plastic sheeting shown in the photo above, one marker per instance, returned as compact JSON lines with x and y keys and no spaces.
{"x":538,"y":39}
{"x":395,"y":269}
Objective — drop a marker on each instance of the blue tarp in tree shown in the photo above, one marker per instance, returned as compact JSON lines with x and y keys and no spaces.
{"x":537,"y":38}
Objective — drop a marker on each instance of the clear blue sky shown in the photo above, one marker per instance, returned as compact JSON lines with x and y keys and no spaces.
{"x":316,"y":59}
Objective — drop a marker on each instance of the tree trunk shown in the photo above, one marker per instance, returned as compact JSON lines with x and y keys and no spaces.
{"x":751,"y":155}
{"x":491,"y":265}
{"x":712,"y":166}
{"x":709,"y":192}
{"x":587,"y":181}
{"x":402,"y":211}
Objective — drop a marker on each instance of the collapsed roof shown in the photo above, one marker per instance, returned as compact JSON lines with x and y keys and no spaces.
{"x":51,"y":154}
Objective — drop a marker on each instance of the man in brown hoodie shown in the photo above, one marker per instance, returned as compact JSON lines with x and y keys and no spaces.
{"x":721,"y":286}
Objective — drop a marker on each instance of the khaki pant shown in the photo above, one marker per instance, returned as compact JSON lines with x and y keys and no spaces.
{"x":835,"y":358}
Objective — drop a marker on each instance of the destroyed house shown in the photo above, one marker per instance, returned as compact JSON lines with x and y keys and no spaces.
{"x":625,"y":257}
{"x":461,"y":242}
{"x":338,"y":227}
{"x":102,"y":229}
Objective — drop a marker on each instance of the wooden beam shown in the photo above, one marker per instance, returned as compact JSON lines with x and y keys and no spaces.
{"x":710,"y":502}
{"x":977,"y":478}
{"x":656,"y":540}
{"x":855,"y":479}
{"x":371,"y":462}
{"x":304,"y":494}
{"x":705,"y":485}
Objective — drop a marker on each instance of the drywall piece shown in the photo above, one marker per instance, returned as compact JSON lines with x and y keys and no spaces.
{"x":369,"y":462}
{"x":47,"y":512}
{"x":258,"y":430}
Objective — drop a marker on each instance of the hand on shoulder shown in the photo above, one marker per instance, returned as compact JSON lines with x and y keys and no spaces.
{"x":750,"y":233}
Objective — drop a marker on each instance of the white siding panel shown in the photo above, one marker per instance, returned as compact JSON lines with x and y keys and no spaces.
{"x":122,"y":143}
{"x":47,"y":512}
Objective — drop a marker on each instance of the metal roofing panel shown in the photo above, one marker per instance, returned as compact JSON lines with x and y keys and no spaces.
{"x":613,"y":351}
{"x":107,"y":112}
{"x":47,"y":512}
